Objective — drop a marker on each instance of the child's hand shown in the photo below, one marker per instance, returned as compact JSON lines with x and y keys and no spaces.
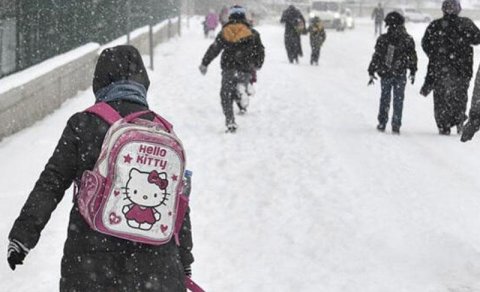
{"x":203,"y":69}
{"x":188,"y":271}
{"x":372,"y":78}
{"x":16,"y":253}
{"x":412,"y":78}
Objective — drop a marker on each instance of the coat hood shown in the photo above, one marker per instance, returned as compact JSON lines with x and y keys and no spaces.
{"x":117,"y":64}
{"x":236,"y":31}
{"x":451,"y":7}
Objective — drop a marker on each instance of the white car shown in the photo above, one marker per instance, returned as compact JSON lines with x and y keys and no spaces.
{"x":331,"y":12}
{"x":414,"y":15}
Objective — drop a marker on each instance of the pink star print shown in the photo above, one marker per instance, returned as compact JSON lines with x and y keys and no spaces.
{"x":127,"y":158}
{"x":174,"y":177}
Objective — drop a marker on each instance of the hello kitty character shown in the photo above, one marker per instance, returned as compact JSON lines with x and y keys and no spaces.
{"x":146,"y":191}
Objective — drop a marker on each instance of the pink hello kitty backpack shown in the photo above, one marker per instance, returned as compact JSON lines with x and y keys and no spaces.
{"x":134,"y":191}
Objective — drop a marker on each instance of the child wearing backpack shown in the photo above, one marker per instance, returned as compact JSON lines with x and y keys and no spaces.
{"x":129,"y":227}
{"x":394,"y":54}
{"x":317,"y":37}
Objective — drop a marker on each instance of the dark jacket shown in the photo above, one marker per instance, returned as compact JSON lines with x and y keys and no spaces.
{"x":77,"y":151}
{"x":317,"y":33}
{"x":294,"y":27}
{"x":394,"y":54}
{"x":93,"y":261}
{"x":242,"y":47}
{"x":292,"y":18}
{"x":448,"y":44}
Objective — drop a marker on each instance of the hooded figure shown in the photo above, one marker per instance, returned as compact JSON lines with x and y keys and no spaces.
{"x":91,"y":260}
{"x":448,"y":44}
{"x":243,"y":54}
{"x":210,"y":23}
{"x":394,"y":54}
{"x":377,"y":16}
{"x":317,"y":37}
{"x":294,"y":27}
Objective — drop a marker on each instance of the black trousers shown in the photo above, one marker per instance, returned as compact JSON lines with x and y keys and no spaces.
{"x":229,"y":92}
{"x":315,"y":53}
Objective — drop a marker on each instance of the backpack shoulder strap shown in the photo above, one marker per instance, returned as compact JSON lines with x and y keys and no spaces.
{"x":157,"y":119}
{"x":104,"y":111}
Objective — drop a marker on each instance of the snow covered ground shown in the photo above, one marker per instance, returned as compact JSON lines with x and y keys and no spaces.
{"x":307,"y":196}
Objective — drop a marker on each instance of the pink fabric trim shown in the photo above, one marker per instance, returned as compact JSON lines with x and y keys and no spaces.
{"x":158,"y":119}
{"x":105,"y":111}
{"x":110,"y":115}
{"x":192,"y":286}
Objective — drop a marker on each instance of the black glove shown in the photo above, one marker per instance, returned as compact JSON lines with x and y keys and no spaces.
{"x":188,"y":271}
{"x":16,"y":253}
{"x":425,"y":90}
{"x":468,"y":132}
{"x":372,"y":78}
{"x":203,"y":69}
{"x":412,"y":78}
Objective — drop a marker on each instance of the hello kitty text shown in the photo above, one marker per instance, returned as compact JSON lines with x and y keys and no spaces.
{"x":149,"y":151}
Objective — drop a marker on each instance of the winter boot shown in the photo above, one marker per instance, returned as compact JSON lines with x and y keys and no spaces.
{"x":381,"y":127}
{"x":396,"y":130}
{"x":243,"y":96}
{"x":231,"y":128}
{"x":250,"y":89}
{"x":444,"y":131}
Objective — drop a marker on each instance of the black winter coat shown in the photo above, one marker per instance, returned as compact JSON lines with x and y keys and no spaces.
{"x":317,"y":34}
{"x":394,"y":54}
{"x":294,"y":27}
{"x":242,"y":47}
{"x":93,"y":261}
{"x":448,"y":44}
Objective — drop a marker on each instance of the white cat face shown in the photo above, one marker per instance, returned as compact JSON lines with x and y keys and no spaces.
{"x":147,"y":189}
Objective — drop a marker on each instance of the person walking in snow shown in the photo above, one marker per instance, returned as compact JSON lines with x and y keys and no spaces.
{"x":394,"y":54}
{"x":223,"y":15}
{"x":317,"y":37}
{"x":91,"y":260}
{"x":210,"y":23}
{"x":243,"y":54}
{"x":377,"y":16}
{"x":448,"y":44}
{"x":294,"y":28}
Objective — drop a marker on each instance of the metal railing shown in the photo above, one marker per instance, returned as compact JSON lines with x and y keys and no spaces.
{"x":34,"y":30}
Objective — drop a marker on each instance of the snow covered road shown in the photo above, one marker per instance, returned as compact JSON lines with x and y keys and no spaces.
{"x":307,"y":196}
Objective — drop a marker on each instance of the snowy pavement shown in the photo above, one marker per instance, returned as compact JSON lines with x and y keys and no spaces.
{"x":307,"y":196}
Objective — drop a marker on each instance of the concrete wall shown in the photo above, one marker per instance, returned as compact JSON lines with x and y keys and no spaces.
{"x":30,"y":95}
